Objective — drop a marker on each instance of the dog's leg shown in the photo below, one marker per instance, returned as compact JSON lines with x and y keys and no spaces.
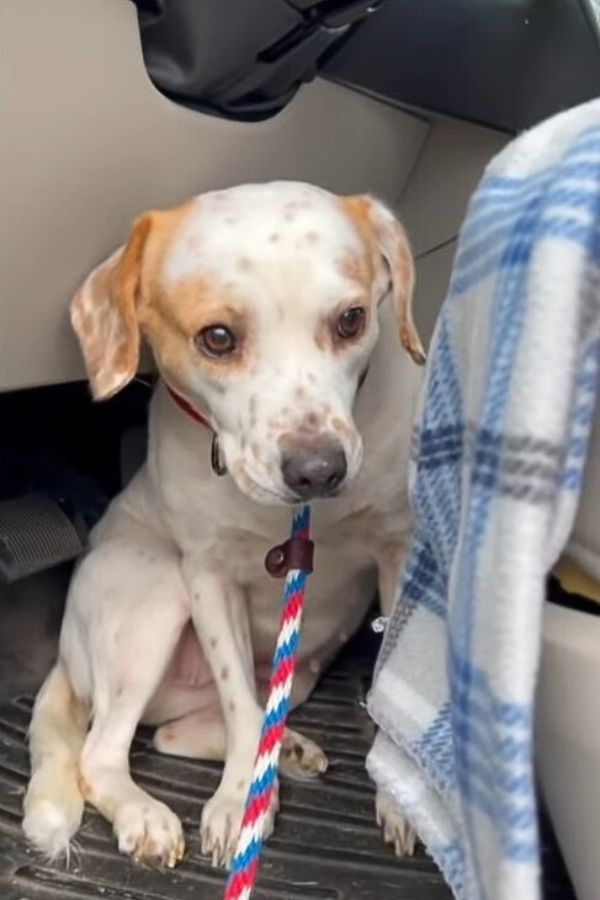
{"x":221,"y":619}
{"x":132,"y":642}
{"x":196,"y":737}
{"x":192,"y":736}
{"x":396,"y":830}
{"x":53,"y":804}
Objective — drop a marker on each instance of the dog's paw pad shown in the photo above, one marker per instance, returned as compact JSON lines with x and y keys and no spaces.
{"x":149,"y":832}
{"x":396,"y":830}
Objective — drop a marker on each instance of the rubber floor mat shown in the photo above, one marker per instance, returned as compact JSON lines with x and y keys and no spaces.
{"x":326,"y":845}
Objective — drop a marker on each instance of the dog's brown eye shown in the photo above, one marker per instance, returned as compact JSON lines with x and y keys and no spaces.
{"x":216,"y":340}
{"x":351,"y":322}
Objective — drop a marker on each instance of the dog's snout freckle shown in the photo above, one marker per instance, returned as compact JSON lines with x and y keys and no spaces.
{"x":274,"y":237}
{"x":224,"y":673}
{"x":312,"y":237}
{"x":314,"y":666}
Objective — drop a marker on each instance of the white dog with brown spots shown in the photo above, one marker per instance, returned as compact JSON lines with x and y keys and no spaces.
{"x":273,"y":313}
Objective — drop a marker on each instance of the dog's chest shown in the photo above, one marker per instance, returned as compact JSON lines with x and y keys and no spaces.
{"x":339,"y":592}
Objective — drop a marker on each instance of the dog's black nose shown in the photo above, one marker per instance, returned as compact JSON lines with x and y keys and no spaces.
{"x":314,"y":469}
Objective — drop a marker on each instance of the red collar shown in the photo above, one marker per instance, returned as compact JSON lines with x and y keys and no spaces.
{"x":187,"y":407}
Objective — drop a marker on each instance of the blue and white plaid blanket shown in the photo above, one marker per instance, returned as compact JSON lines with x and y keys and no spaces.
{"x":497,"y":466}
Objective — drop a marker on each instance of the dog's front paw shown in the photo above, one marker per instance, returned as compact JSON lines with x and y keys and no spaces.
{"x":396,"y":830}
{"x":149,"y":832}
{"x":221,"y":823}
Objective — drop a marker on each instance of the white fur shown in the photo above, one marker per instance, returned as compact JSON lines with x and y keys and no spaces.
{"x":171,"y":617}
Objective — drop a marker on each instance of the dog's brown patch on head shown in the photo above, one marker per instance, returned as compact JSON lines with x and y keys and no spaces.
{"x":357,"y":267}
{"x":361,"y":266}
{"x":126,"y":295}
{"x":171,"y":317}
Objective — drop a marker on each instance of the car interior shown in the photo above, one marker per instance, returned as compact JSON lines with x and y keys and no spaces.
{"x":112,"y":107}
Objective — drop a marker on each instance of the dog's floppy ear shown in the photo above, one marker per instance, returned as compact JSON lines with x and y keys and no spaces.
{"x":390,"y":238}
{"x":103,"y":314}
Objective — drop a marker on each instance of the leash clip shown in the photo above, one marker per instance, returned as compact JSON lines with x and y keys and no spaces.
{"x":295,"y":553}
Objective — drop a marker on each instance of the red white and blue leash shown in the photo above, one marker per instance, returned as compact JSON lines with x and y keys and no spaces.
{"x":294,"y":560}
{"x":261,"y":795}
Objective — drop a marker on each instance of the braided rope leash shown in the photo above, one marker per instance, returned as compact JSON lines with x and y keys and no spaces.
{"x":295,"y":558}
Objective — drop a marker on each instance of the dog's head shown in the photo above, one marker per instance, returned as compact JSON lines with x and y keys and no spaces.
{"x":260,"y":304}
